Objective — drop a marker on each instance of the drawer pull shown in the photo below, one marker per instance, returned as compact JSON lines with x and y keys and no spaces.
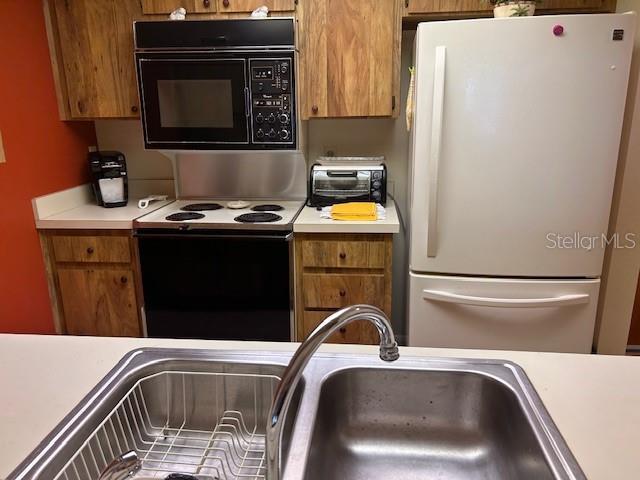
{"x":343,"y":293}
{"x":123,"y":279}
{"x":343,"y":255}
{"x":90,"y":250}
{"x":206,"y":3}
{"x":343,"y":330}
{"x":225,"y":3}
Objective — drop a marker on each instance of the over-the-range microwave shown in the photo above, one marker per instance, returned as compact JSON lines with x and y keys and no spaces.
{"x":217,"y":84}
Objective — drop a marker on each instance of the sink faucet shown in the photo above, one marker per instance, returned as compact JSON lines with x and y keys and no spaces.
{"x":293,"y":372}
{"x":124,"y":466}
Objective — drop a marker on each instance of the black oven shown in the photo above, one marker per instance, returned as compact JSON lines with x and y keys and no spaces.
{"x":217,"y":84}
{"x":222,"y":285}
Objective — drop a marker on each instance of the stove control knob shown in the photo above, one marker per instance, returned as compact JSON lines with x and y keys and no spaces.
{"x":260,"y":134}
{"x":259,"y":118}
{"x":271,"y":118}
{"x":284,"y":118}
{"x":284,"y":134}
{"x":272,"y":134}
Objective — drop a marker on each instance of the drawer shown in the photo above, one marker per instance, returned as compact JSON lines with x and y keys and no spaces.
{"x":103,"y":249}
{"x":343,"y":253}
{"x":360,"y":331}
{"x":329,"y":291}
{"x":251,"y":5}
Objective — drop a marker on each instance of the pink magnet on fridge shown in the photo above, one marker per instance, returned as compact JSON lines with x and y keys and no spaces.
{"x":558,"y":30}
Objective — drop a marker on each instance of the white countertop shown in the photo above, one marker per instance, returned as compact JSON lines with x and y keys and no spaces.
{"x":309,"y":221}
{"x":76,"y":208}
{"x":592,"y":399}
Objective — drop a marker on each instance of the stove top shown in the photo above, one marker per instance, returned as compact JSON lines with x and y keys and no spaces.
{"x":214,"y":214}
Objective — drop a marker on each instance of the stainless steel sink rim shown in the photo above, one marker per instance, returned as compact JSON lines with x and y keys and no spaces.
{"x":321,"y":367}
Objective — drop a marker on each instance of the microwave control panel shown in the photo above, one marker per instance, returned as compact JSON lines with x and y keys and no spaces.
{"x":272,"y":109}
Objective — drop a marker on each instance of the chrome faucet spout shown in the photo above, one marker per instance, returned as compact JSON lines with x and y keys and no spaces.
{"x":293,"y":373}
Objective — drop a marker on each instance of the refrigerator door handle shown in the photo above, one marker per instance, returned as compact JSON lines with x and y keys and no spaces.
{"x":560,"y":301}
{"x":436,"y":144}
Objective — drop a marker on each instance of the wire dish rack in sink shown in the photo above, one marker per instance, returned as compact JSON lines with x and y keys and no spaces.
{"x":209,"y":425}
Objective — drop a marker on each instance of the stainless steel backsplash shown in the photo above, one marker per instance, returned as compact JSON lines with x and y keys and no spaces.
{"x":281,"y":175}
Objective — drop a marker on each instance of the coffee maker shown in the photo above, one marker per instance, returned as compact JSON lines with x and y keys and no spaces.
{"x":109,"y":178}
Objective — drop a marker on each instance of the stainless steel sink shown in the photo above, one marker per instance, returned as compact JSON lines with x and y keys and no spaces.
{"x":409,"y":424}
{"x":353,"y":418}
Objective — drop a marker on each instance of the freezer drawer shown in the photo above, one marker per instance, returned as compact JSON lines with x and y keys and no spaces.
{"x":502,"y":314}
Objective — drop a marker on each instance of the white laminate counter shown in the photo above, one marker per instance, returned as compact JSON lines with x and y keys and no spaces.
{"x":76,"y":209}
{"x":309,"y":221}
{"x":593,"y":399}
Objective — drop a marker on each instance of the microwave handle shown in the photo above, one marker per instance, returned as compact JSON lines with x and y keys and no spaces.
{"x":247,"y":102}
{"x":349,"y":173}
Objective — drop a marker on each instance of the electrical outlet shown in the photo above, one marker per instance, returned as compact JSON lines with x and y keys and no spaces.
{"x":3,"y":159}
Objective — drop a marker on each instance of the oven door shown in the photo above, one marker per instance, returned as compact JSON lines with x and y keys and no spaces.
{"x":217,"y":285}
{"x":193,"y":102}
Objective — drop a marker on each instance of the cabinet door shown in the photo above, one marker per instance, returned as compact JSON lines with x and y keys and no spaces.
{"x":99,"y":301}
{"x":360,"y":331}
{"x":349,"y":49}
{"x":168,"y":6}
{"x":471,"y":7}
{"x":229,"y":6}
{"x":446,"y":6}
{"x":95,"y":52}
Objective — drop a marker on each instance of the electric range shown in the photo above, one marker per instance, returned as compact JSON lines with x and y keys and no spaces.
{"x":220,"y":273}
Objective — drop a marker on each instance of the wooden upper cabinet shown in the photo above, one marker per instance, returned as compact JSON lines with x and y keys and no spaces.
{"x":231,"y":6}
{"x":167,"y":6}
{"x":479,"y":7}
{"x":91,"y":45}
{"x":350,"y":52}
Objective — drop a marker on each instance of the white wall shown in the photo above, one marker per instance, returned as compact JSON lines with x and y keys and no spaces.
{"x":620,"y":273}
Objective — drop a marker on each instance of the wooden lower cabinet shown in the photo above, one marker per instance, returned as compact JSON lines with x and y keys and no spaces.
{"x":337,"y":270}
{"x":99,"y":301}
{"x":94,"y":281}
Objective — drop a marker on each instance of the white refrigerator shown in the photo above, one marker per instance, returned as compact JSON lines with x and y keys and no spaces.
{"x":515,"y":140}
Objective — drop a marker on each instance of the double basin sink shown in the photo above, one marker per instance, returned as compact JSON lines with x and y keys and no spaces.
{"x":204,"y":413}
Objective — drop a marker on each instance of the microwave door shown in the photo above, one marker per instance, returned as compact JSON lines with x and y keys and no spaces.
{"x":193,"y":102}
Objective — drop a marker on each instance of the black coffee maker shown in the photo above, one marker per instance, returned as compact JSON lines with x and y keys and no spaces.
{"x":109,"y":178}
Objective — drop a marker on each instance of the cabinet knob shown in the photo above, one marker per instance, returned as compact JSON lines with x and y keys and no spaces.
{"x":314,"y":109}
{"x":225,"y":3}
{"x":90,"y":250}
{"x":206,"y":3}
{"x":80,"y":106}
{"x":123,"y":279}
{"x":134,"y":109}
{"x":343,"y":255}
{"x":343,"y":329}
{"x":343,"y":293}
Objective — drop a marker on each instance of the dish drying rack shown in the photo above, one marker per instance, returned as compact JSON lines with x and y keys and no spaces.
{"x":209,"y":425}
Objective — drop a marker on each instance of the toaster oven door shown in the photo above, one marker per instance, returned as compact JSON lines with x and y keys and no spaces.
{"x":193,"y":102}
{"x":337,"y":186}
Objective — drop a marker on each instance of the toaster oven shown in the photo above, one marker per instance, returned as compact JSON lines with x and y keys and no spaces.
{"x":331,"y":184}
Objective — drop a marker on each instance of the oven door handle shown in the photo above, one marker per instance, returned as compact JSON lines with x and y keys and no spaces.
{"x":221,"y":236}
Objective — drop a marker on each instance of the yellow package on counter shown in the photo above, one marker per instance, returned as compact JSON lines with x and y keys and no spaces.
{"x":354,"y":211}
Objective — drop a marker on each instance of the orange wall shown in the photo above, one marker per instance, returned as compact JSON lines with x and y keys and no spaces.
{"x":43,"y":155}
